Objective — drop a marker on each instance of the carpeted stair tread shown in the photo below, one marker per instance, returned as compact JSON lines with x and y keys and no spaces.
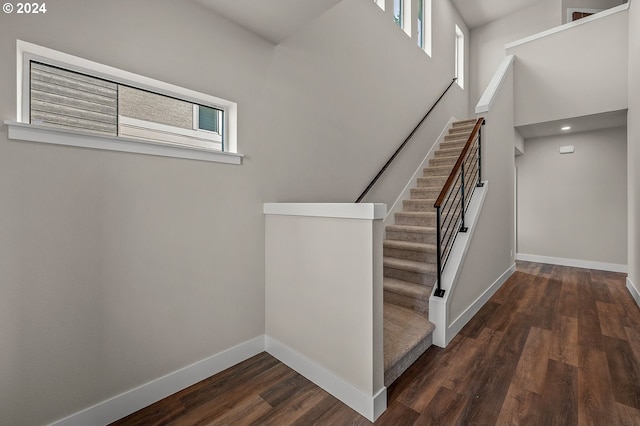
{"x":407,"y":334}
{"x":464,"y":122}
{"x":409,"y":265}
{"x":407,"y":288}
{"x":460,"y":129}
{"x":409,"y":259}
{"x":408,"y":245}
{"x":443,"y":161}
{"x":437,"y":171}
{"x":432,"y":181}
{"x":448,"y":152}
{"x":411,"y":228}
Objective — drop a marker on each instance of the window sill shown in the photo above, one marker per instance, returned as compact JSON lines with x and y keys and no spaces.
{"x":43,"y":134}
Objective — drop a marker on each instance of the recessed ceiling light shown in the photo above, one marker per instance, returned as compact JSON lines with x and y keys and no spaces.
{"x":566,"y":128}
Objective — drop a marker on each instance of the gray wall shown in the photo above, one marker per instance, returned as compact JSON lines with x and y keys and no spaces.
{"x":574,"y":206}
{"x":633,"y":143}
{"x":555,"y":79}
{"x":119,"y":268}
{"x":491,"y":251}
{"x":487,"y":41}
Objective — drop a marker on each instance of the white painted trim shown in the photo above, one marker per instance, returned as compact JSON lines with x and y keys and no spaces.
{"x":370,"y":406}
{"x":576,"y":263}
{"x":51,"y":135}
{"x":633,"y":290}
{"x":465,"y":317}
{"x":489,"y":95}
{"x":30,"y":51}
{"x":413,"y":181}
{"x":439,"y":306}
{"x":135,"y":399}
{"x":568,"y":25}
{"x":338,"y":210}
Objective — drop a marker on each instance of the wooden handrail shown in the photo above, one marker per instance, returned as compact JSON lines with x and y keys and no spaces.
{"x":395,"y":154}
{"x":456,"y":167}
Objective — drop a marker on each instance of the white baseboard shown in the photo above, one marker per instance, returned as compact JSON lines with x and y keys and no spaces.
{"x":135,"y":399}
{"x":465,"y":317}
{"x":370,"y":406}
{"x":576,"y":263}
{"x":634,"y":291}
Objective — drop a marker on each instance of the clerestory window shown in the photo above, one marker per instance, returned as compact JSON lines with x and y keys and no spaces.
{"x":115,"y":109}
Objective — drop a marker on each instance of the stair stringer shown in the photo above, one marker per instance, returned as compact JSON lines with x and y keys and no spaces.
{"x":413,"y":181}
{"x":445,"y":329}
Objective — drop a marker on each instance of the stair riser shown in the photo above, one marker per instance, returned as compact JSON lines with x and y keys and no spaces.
{"x":418,"y":256}
{"x":424,"y":193}
{"x":456,"y":138}
{"x":453,"y":145}
{"x":432,"y":182}
{"x":417,"y":206}
{"x":414,"y":237}
{"x":461,"y":131}
{"x":443,"y":161}
{"x":410,"y":276}
{"x":417,"y":305}
{"x":466,"y":123}
{"x":442,"y":153}
{"x":436,"y":171}
{"x":416,"y":221}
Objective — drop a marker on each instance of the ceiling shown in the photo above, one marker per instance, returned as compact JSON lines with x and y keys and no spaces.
{"x":578,"y":124}
{"x":479,"y":12}
{"x":276,"y":20}
{"x":273,"y":20}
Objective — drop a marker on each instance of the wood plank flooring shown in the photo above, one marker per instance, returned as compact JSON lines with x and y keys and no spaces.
{"x":554,"y":346}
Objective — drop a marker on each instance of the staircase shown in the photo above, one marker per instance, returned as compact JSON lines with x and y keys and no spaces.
{"x":410,"y":260}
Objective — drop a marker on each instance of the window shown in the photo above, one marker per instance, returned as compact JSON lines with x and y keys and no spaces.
{"x":115,"y":109}
{"x":398,"y":12}
{"x":459,"y":57}
{"x":424,"y":25}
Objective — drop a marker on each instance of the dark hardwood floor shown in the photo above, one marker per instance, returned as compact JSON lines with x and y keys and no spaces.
{"x":554,"y":346}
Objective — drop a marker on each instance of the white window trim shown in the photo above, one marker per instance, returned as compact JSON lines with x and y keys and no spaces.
{"x":407,"y":24}
{"x":58,"y":136}
{"x":23,"y":130}
{"x":426,"y":26}
{"x":459,"y":57}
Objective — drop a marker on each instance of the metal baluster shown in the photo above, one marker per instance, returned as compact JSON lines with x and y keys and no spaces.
{"x":439,"y":291}
{"x":462,"y":227}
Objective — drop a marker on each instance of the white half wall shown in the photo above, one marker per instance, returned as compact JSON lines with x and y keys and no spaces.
{"x":490,"y":255}
{"x":557,"y":76}
{"x":323,"y":297}
{"x":574,"y":206}
{"x":633,"y":145}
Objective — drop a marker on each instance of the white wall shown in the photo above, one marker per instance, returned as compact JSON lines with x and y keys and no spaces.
{"x":120,"y":268}
{"x":633,"y":145}
{"x":574,"y":206}
{"x":556,"y":76}
{"x":484,"y":267}
{"x":487,"y":41}
{"x":365,"y":85}
{"x":324,"y":306}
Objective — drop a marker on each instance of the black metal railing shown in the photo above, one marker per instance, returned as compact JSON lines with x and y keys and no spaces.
{"x":395,"y":154}
{"x":452,"y":203}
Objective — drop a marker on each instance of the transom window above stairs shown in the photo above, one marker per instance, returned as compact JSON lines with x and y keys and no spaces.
{"x":78,"y":102}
